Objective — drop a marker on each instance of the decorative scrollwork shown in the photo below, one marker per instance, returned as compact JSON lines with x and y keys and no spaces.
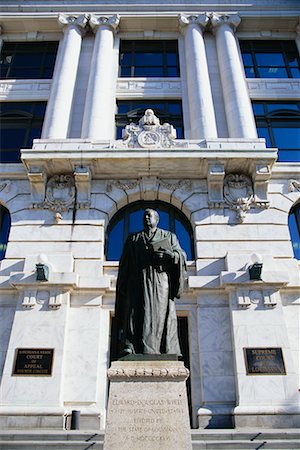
{"x":60,"y":193}
{"x":178,"y":373}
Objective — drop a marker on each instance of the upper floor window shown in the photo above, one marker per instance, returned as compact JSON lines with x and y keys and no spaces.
{"x":279,"y":124}
{"x":149,"y":59}
{"x":4,"y":230}
{"x":28,"y":59}
{"x":270,"y":59}
{"x":20,"y":124}
{"x":130,"y":219}
{"x":294,"y":226}
{"x":169,"y":111}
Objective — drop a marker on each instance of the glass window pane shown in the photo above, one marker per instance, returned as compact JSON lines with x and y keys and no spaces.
{"x":264,"y":133}
{"x":172,"y":59}
{"x":270,"y":59}
{"x":164,"y":219}
{"x":288,"y":155}
{"x":125,"y":58}
{"x":148,"y":59}
{"x":287,"y":137}
{"x":271,"y":107}
{"x":136,"y":221}
{"x":258,"y":109}
{"x":184,"y":238}
{"x":292,"y":59}
{"x":172,"y":72}
{"x":10,"y":156}
{"x":295,"y":73}
{"x":247,"y":59}
{"x":148,"y":72}
{"x":115,"y":242}
{"x":12,"y":137}
{"x":295,"y":233}
{"x":272,"y":72}
{"x":249,"y":71}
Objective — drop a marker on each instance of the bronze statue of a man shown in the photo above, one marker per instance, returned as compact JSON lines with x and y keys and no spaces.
{"x":151,"y":275}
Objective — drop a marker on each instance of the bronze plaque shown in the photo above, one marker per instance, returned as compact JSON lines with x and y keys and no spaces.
{"x":264,"y":361}
{"x":33,"y":362}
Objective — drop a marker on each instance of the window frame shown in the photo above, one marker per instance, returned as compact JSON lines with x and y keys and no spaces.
{"x":134,"y":47}
{"x":174,"y":214}
{"x":15,"y":49}
{"x":270,"y":120}
{"x":20,"y":119}
{"x":280,"y":47}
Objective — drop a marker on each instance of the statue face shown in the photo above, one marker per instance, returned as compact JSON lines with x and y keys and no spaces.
{"x":150,"y":218}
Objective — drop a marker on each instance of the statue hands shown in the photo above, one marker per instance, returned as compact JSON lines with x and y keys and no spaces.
{"x":164,"y":255}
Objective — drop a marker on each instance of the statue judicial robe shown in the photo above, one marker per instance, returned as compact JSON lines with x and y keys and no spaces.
{"x":146,"y":289}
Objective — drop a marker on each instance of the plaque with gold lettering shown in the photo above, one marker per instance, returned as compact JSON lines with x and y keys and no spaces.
{"x":33,"y":362}
{"x":264,"y":361}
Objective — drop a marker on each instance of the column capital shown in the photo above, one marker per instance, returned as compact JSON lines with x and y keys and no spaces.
{"x":80,"y":22}
{"x":201,"y":20}
{"x":216,"y":20}
{"x":110,"y":22}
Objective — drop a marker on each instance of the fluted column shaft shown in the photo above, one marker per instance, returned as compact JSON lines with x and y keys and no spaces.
{"x":98,"y":119}
{"x":239,"y":113}
{"x":58,"y":112}
{"x":201,"y":108}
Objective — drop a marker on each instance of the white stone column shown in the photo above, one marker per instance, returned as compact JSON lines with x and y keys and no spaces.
{"x":57,"y":118}
{"x":201,"y":108}
{"x":239,"y":113}
{"x":99,"y":111}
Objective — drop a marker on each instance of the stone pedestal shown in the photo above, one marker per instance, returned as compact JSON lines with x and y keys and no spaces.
{"x":147,"y":407}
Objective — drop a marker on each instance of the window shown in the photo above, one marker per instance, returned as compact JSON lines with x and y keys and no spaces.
{"x":28,"y":59}
{"x":270,"y":59}
{"x":130,"y":219}
{"x":294,"y":226}
{"x":149,"y":59}
{"x":20,"y":124}
{"x":4,"y":230}
{"x":166,"y":110}
{"x":279,"y":124}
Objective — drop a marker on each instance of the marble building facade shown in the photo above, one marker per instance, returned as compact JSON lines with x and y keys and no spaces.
{"x":67,"y":187}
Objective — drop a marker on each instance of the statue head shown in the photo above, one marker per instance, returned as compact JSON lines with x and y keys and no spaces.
{"x":151,"y":218}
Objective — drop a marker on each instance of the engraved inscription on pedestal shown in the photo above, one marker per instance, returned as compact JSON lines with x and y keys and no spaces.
{"x":148,"y":406}
{"x":264,"y":361}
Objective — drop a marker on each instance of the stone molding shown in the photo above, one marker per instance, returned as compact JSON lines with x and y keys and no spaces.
{"x":60,"y":193}
{"x":111,"y":22}
{"x":80,"y":22}
{"x":148,"y":373}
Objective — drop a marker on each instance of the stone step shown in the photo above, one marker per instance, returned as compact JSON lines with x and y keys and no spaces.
{"x":240,"y":445}
{"x":201,"y":440}
{"x":249,"y":435}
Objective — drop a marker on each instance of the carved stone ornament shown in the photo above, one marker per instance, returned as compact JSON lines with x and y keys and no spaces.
{"x":178,"y":373}
{"x":201,"y":20}
{"x":294,"y":186}
{"x":111,"y":22}
{"x":79,"y":21}
{"x":149,"y":133}
{"x":238,"y":194}
{"x":128,"y":185}
{"x":60,"y":193}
